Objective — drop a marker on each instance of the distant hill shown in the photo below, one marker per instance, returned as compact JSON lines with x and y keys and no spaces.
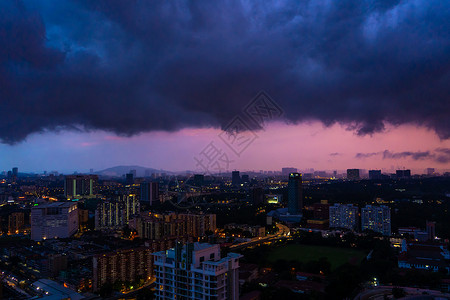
{"x":119,"y":171}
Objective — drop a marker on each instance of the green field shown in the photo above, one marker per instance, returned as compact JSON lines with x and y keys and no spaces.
{"x":305,"y":253}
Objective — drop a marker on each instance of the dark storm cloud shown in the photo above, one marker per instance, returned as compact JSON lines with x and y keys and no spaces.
{"x":439,"y":155}
{"x":134,"y":66}
{"x":408,"y":154}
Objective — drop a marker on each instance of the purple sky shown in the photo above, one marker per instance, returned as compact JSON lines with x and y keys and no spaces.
{"x":91,"y":84}
{"x":308,"y":145}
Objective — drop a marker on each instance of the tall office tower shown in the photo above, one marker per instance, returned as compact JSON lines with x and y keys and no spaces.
{"x":374,"y":174}
{"x":376,"y":218}
{"x":288,"y":170}
{"x":403,"y":174}
{"x":343,"y":216}
{"x":80,"y":186}
{"x":117,"y":212}
{"x":122,"y":265}
{"x":295,"y":196}
{"x":196,"y":271}
{"x":15,"y":172}
{"x":150,"y":193}
{"x":199,"y":179}
{"x":235,"y":178}
{"x":257,"y":194}
{"x":15,"y":222}
{"x":129,"y":178}
{"x":245,"y":179}
{"x":134,"y":172}
{"x":353,"y":174}
{"x":54,"y":220}
{"x":431,"y":230}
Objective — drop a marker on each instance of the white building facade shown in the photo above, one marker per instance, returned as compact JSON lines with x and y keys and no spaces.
{"x":196,"y":271}
{"x":54,"y":220}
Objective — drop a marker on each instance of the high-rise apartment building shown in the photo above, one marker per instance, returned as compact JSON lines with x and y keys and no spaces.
{"x":376,"y":218}
{"x":196,"y":271}
{"x":343,"y":216}
{"x":295,"y":196}
{"x":116,"y":213}
{"x":198,"y":224}
{"x":16,"y":222}
{"x":153,"y":228}
{"x":123,"y":265}
{"x":150,"y":193}
{"x":403,"y":174}
{"x":54,"y":220}
{"x":235,"y":178}
{"x":353,"y":174}
{"x":80,"y":186}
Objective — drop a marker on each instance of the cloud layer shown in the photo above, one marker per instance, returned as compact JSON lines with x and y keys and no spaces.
{"x":439,"y":155}
{"x":136,"y":66}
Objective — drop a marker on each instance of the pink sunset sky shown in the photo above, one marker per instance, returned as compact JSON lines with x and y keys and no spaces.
{"x":304,"y":146}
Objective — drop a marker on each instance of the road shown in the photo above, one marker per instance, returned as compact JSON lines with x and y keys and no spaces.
{"x":282,"y":233}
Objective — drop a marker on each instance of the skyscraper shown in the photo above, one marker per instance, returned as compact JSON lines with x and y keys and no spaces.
{"x":235,"y":178}
{"x":376,"y":218}
{"x":353,"y":174}
{"x":403,"y":174}
{"x":15,"y":172}
{"x":196,"y":271}
{"x":295,"y":197}
{"x":150,"y":192}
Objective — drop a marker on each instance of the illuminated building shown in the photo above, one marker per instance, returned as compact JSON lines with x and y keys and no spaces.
{"x":116,"y":213}
{"x":54,"y":220}
{"x":15,"y":222}
{"x":196,"y":271}
{"x":122,"y":265}
{"x":84,"y":186}
{"x":376,"y":218}
{"x":152,"y":228}
{"x":198,"y":224}
{"x":295,"y":197}
{"x":343,"y":216}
